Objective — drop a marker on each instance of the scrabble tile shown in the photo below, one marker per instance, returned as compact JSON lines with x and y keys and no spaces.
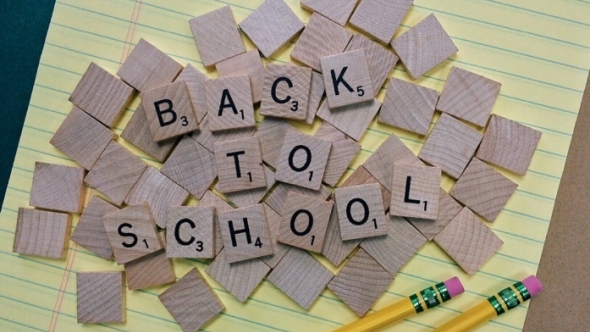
{"x":304,"y":223}
{"x":352,"y":120}
{"x":450,"y":145}
{"x":334,"y":249}
{"x":360,"y":282}
{"x":415,"y":191}
{"x":245,"y":233}
{"x":101,"y":297}
{"x":41,"y":233}
{"x":195,"y":85}
{"x":101,"y":94}
{"x":248,"y":63}
{"x":424,"y":46}
{"x":252,"y":196}
{"x":147,"y":67}
{"x":346,"y":79}
{"x":301,"y":277}
{"x":137,"y":132}
{"x":468,"y":241}
{"x":240,"y":278}
{"x":90,"y":232}
{"x":212,"y":200}
{"x":191,"y":301}
{"x":303,"y":160}
{"x":115,"y":173}
{"x":380,"y":60}
{"x":226,"y":43}
{"x":316,"y":91}
{"x":191,"y":166}
{"x":380,"y":18}
{"x":81,"y":137}
{"x":229,"y":103}
{"x":381,"y":161}
{"x":326,"y":8}
{"x":397,"y":248}
{"x":131,"y":232}
{"x":362,"y":176}
{"x":286,"y":91}
{"x":149,"y":271}
{"x":207,"y":139}
{"x":273,"y":220}
{"x":320,"y":38}
{"x":57,"y":187}
{"x":190,"y":232}
{"x":408,"y":106}
{"x":360,"y":211}
{"x":484,"y":190}
{"x":276,"y":200}
{"x":448,"y":208}
{"x":271,"y":134}
{"x":508,"y":144}
{"x":159,"y":192}
{"x":271,"y":26}
{"x":341,"y":154}
{"x":239,"y":165}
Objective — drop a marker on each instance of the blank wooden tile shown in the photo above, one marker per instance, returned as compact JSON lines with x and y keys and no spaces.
{"x":159,"y":192}
{"x":271,"y":134}
{"x":57,"y":187}
{"x":286,"y":91}
{"x":248,"y":63}
{"x":380,"y":60}
{"x":115,"y":173}
{"x":341,"y":154}
{"x":273,"y":220}
{"x":245,"y":233}
{"x":195,"y":85}
{"x":320,"y":38}
{"x":229,"y":103}
{"x":380,"y":18}
{"x":149,"y":271}
{"x":240,"y":278}
{"x":381,"y":161}
{"x":334,"y":249}
{"x":101,"y":297}
{"x":301,"y":277}
{"x":508,"y":144}
{"x":450,"y":145}
{"x":191,"y":301}
{"x":415,"y":191}
{"x":424,"y":46}
{"x":304,"y":223}
{"x":316,"y":91}
{"x":191,"y":166}
{"x":212,"y":200}
{"x":346,"y":79}
{"x":276,"y":200}
{"x":147,"y":67}
{"x":217,"y":36}
{"x":448,"y":208}
{"x":41,"y":233}
{"x":468,"y":241}
{"x":338,"y":14}
{"x":408,"y":106}
{"x":483,"y":190}
{"x":239,"y":165}
{"x":90,"y":232}
{"x":360,"y":282}
{"x":81,"y":137}
{"x":397,"y":248}
{"x":303,"y":160}
{"x":101,"y":94}
{"x":271,"y":26}
{"x":190,"y":232}
{"x":362,"y":176}
{"x":252,"y":196}
{"x":352,"y":120}
{"x":360,"y":211}
{"x":207,"y":139}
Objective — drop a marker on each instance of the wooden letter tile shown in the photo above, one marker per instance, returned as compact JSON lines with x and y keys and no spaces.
{"x":245,"y":233}
{"x":450,"y":145}
{"x":271,"y":26}
{"x":483,"y":190}
{"x":252,"y":196}
{"x":341,"y":155}
{"x":248,"y":63}
{"x":277,"y":199}
{"x":415,"y":191}
{"x":207,"y":139}
{"x":239,"y":165}
{"x":352,"y":120}
{"x":190,"y":232}
{"x":380,"y":18}
{"x":448,"y":208}
{"x":191,"y":301}
{"x":316,"y":92}
{"x":90,"y":232}
{"x":273,"y":220}
{"x":304,"y":223}
{"x":101,"y":297}
{"x":229,"y":103}
{"x":362,"y":176}
{"x":271,"y":134}
{"x":424,"y":46}
{"x":347,"y":79}
{"x":338,"y":14}
{"x":334,"y":249}
{"x":508,"y":144}
{"x":82,"y":138}
{"x":303,"y":160}
{"x":195,"y":85}
{"x":286,"y":91}
{"x":57,"y":187}
{"x":468,"y":241}
{"x":381,"y":161}
{"x":214,"y":201}
{"x":42,"y":233}
{"x":360,"y":211}
{"x":151,"y":270}
{"x":101,"y":94}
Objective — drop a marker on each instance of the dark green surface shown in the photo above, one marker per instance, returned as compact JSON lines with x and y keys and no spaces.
{"x":24,"y":27}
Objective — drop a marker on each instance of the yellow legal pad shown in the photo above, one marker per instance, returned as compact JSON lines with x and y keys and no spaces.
{"x":538,"y":50}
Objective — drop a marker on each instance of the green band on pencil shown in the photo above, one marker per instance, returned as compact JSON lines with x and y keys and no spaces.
{"x":444,"y":291}
{"x":509,"y":298}
{"x":526,"y":295}
{"x":496,"y":304}
{"x":430,"y":297}
{"x":416,"y":303}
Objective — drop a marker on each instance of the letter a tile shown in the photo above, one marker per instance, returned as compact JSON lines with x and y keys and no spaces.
{"x":229,"y":103}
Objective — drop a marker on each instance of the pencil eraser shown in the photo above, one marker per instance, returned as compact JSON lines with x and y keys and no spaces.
{"x":454,"y":286}
{"x":533,"y":285}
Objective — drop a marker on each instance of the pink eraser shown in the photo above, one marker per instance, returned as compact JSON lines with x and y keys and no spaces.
{"x":454,"y":286}
{"x":533,"y":285}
